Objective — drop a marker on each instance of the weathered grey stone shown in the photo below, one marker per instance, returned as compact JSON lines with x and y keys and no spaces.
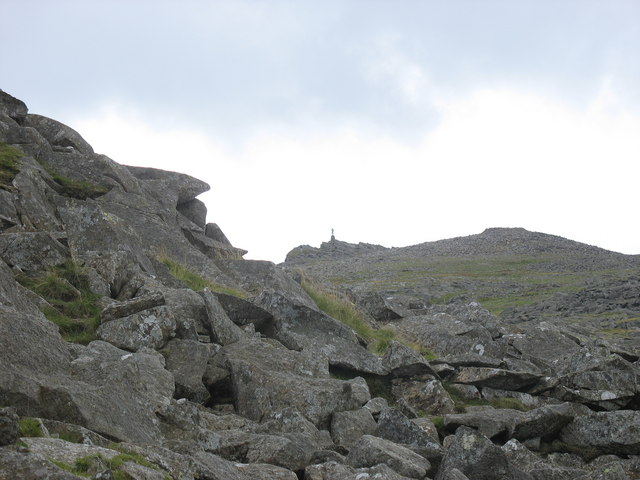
{"x":488,"y":421}
{"x":213,"y":231}
{"x":606,"y":432}
{"x":396,"y":427}
{"x":223,"y":330}
{"x":58,"y":134}
{"x":32,"y":251}
{"x":151,"y":328}
{"x":8,"y":212}
{"x":129,"y":307}
{"x":195,"y":210}
{"x":444,"y":333}
{"x":171,"y":187}
{"x":333,"y":470}
{"x":472,"y":360}
{"x":292,"y":424}
{"x":542,"y":468}
{"x":530,"y":401}
{"x":376,"y":405}
{"x":402,"y":361}
{"x":264,"y":471}
{"x":610,"y":383}
{"x":267,"y":379}
{"x":34,"y":204}
{"x":66,"y":452}
{"x":12,"y":107}
{"x":495,"y":378}
{"x":115,"y":393}
{"x":14,"y":297}
{"x":475,"y":456}
{"x":286,"y":451}
{"x":348,"y":426}
{"x":56,"y":429}
{"x":25,"y":465}
{"x":427,"y":395}
{"x":243,"y":312}
{"x":376,"y":305}
{"x":8,"y":426}
{"x":428,"y":427}
{"x":299,"y":327}
{"x":454,"y":474}
{"x":256,"y":276}
{"x":370,"y":451}
{"x":546,"y":420}
{"x":187,"y":361}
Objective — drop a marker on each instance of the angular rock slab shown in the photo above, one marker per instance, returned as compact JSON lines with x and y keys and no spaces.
{"x":336,"y":471}
{"x":402,"y":361}
{"x":475,"y":456}
{"x":347,"y":427}
{"x":370,"y":451}
{"x":150,"y":328}
{"x":489,"y":422}
{"x":223,"y":330}
{"x":496,"y":378}
{"x":29,"y":466}
{"x":267,"y":379}
{"x":396,"y":427}
{"x":298,"y":327}
{"x":187,"y":361}
{"x":607,"y":432}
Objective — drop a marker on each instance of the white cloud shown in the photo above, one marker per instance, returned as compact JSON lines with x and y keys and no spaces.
{"x":497,"y":158}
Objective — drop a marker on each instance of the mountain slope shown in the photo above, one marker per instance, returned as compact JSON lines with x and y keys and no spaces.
{"x":516,"y":274}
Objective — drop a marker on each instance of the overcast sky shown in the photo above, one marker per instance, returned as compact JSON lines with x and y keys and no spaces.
{"x":393,"y":122}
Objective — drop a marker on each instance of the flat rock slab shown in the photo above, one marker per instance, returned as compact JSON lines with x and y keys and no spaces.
{"x":370,"y":451}
{"x":496,"y":378}
{"x":607,"y":432}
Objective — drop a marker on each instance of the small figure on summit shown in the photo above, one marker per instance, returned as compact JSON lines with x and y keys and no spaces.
{"x":333,"y":238}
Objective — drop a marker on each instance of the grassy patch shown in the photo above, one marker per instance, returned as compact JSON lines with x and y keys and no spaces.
{"x":92,"y":464}
{"x":194,"y":281}
{"x":30,"y":427}
{"x":341,"y":309}
{"x":73,"y":306}
{"x":8,"y":165}
{"x":77,"y":188}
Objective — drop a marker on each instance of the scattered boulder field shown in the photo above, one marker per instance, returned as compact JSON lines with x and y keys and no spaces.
{"x":136,"y":342}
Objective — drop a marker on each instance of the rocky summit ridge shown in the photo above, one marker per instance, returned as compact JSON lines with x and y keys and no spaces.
{"x":137,"y":343}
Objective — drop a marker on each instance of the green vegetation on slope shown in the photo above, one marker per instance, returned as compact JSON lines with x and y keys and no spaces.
{"x":8,"y":165}
{"x":499,"y":282}
{"x":341,"y":309}
{"x":77,"y":188}
{"x":72,"y":304}
{"x":194,"y":281}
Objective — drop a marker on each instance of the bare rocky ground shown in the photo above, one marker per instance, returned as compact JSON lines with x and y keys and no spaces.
{"x":137,"y":343}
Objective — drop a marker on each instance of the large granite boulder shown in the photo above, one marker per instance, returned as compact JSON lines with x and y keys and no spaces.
{"x":299,"y":327}
{"x":475,"y":456}
{"x":605,"y":432}
{"x":267,"y":378}
{"x":370,"y":451}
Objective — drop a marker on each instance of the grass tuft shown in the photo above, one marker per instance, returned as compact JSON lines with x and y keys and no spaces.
{"x":72,"y":305}
{"x":78,"y":188}
{"x":194,"y":281}
{"x":343,"y":310}
{"x":30,"y":427}
{"x":9,"y":157}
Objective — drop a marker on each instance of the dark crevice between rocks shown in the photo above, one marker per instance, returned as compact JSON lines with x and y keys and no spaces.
{"x":379,"y":385}
{"x":221,"y":393}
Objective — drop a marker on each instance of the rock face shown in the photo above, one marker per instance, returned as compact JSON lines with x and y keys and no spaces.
{"x":135,"y":341}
